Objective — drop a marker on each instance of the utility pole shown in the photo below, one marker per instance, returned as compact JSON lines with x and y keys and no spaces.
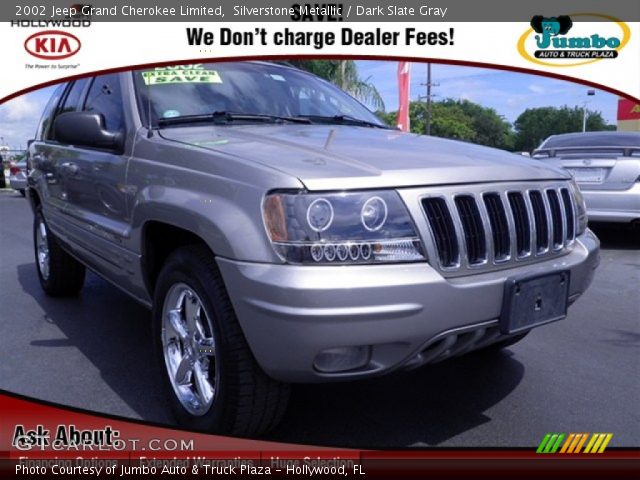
{"x":584,"y":110}
{"x":429,"y":96}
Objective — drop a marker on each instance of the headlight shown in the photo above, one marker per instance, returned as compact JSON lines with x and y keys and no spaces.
{"x":581,"y":208}
{"x":341,"y":228}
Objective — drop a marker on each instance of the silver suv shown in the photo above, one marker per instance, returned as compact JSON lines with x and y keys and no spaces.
{"x":281,"y":233}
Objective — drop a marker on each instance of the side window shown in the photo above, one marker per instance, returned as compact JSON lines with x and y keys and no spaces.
{"x":47,"y":115}
{"x":71,"y":103}
{"x":105,"y":97}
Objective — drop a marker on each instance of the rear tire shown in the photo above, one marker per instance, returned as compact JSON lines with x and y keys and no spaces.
{"x":22,"y":192}
{"x":60,"y":274}
{"x":212,"y":379}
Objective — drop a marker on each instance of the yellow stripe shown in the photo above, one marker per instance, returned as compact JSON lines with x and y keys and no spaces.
{"x":567,"y":442}
{"x":607,"y":439}
{"x":579,"y":446}
{"x":591,"y":442}
{"x":596,"y":445}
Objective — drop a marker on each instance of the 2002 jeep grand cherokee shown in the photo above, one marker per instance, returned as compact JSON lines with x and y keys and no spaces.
{"x":281,"y":233}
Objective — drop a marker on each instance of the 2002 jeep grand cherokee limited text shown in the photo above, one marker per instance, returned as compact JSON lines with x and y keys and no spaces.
{"x":281,"y":233}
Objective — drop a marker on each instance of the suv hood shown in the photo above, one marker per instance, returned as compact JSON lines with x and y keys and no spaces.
{"x":327,"y":157}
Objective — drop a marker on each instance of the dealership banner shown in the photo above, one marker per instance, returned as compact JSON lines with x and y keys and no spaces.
{"x":52,"y":40}
{"x":43,"y":441}
{"x":94,"y":385}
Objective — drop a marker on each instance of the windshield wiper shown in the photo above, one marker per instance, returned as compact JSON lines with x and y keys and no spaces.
{"x":344,"y":119}
{"x":223,"y":117}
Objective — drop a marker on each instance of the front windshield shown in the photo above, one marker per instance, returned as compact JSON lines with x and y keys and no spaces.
{"x":242,"y":88}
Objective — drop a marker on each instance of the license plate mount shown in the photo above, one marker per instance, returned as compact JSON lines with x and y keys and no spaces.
{"x":533,"y":300}
{"x":588,"y":175}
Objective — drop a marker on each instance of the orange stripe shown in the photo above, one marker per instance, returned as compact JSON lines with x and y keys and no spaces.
{"x":579,"y":446}
{"x":575,"y":442}
{"x":567,"y":442}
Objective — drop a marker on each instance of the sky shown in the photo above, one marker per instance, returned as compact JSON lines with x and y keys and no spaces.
{"x":509,"y":93}
{"x":19,"y":117}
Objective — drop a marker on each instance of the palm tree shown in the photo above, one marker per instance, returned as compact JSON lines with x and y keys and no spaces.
{"x":344,"y":73}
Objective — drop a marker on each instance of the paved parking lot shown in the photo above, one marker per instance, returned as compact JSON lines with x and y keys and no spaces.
{"x":578,"y":375}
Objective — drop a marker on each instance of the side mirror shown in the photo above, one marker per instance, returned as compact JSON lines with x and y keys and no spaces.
{"x":86,"y":129}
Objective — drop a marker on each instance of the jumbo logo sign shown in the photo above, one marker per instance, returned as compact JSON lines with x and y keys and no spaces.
{"x":52,"y":45}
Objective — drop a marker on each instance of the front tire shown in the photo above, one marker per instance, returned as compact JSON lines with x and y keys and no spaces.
{"x":60,"y":274}
{"x":212,"y":379}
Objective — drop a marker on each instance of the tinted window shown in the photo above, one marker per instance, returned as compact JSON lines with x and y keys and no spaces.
{"x":72,"y":102}
{"x":47,"y":114}
{"x":105,"y":97}
{"x":596,"y":139}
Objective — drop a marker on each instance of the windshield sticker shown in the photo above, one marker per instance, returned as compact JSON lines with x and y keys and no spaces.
{"x":279,"y":78}
{"x":171,"y":114}
{"x":161,"y":76}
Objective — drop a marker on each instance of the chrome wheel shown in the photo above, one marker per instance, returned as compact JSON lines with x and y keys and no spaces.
{"x":42,"y":249}
{"x":189,"y":348}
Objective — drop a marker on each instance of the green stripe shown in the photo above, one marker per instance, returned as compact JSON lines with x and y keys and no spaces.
{"x":550,"y":443}
{"x":558,"y":443}
{"x":543,"y":443}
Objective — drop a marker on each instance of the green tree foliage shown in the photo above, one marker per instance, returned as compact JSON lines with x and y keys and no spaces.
{"x":344,"y":73}
{"x":460,"y":120}
{"x":535,"y":124}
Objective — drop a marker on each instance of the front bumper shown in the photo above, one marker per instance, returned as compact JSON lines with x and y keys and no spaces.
{"x":290,"y":313}
{"x":620,"y":206}
{"x":18,"y":182}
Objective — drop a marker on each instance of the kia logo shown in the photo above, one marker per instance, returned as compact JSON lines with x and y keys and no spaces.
{"x":52,"y":45}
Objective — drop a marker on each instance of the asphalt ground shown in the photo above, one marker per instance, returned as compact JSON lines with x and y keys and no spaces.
{"x":581,"y":374}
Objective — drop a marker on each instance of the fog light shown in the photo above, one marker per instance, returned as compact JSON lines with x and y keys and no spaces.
{"x":341,"y":359}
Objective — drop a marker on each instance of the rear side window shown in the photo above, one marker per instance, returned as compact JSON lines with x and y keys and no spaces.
{"x":105,"y":97}
{"x":49,"y":111}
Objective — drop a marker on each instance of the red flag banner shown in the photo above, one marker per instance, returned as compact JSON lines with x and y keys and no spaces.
{"x":404,"y":82}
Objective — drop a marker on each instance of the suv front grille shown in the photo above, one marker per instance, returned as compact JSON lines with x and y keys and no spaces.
{"x":494,"y":225}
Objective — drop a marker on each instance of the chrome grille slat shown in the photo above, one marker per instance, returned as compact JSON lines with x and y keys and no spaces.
{"x":472,"y":229}
{"x":498,"y":226}
{"x":540,"y":217}
{"x":487,"y":226}
{"x":569,"y":212}
{"x":556,"y":219}
{"x":522,"y":225}
{"x":457,"y":224}
{"x":442,"y":228}
{"x":488,"y":232}
{"x":513,"y":239}
{"x":532,"y":223}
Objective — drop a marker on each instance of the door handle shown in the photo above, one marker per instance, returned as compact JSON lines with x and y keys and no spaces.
{"x":70,"y":168}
